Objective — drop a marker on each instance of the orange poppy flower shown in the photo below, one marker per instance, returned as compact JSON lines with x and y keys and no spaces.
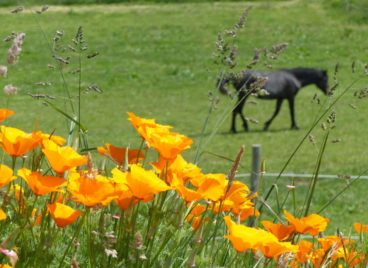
{"x":41,"y":185}
{"x":37,"y":218}
{"x":243,"y":238}
{"x":118,"y":154}
{"x":169,"y":144}
{"x":361,"y":228}
{"x":213,"y":186}
{"x":125,"y":197}
{"x":62,"y":159}
{"x":187,"y":194}
{"x":57,"y":139}
{"x":6,"y":175}
{"x":2,"y":215}
{"x":183,"y":170}
{"x":63,"y":215}
{"x":143,"y":184}
{"x":312,"y":224}
{"x":195,"y":215}
{"x":333,"y":241}
{"x":18,"y":192}
{"x":237,"y":200}
{"x":91,"y":189}
{"x":5,"y":113}
{"x":305,"y":248}
{"x":274,"y":249}
{"x":5,"y":266}
{"x":142,"y":124}
{"x":281,"y":231}
{"x":15,"y":142}
{"x":350,"y":256}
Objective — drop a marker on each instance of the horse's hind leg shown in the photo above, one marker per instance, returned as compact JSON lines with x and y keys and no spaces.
{"x":269,"y":121}
{"x":292,"y":114}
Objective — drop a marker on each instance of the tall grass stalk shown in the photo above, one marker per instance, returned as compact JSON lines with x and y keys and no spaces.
{"x":314,"y":124}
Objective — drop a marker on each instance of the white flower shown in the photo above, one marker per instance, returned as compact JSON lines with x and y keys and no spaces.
{"x":10,"y":90}
{"x":111,"y":252}
{"x":3,"y":70}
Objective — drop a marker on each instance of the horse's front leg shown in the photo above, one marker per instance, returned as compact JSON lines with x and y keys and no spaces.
{"x":292,"y":114}
{"x":233,"y":121}
{"x":277,"y":110}
{"x":239,"y":108}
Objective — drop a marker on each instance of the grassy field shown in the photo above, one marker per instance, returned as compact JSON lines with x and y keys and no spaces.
{"x":156,"y":61}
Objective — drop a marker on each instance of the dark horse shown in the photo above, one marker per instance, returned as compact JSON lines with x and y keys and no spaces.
{"x":280,"y":85}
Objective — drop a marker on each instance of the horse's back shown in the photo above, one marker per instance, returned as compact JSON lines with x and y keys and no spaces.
{"x":279,"y":85}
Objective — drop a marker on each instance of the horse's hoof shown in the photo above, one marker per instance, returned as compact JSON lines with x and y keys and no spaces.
{"x":295,"y":127}
{"x":266,"y":126}
{"x":233,"y":131}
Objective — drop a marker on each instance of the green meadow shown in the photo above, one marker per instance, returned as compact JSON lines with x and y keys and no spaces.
{"x":156,"y":60}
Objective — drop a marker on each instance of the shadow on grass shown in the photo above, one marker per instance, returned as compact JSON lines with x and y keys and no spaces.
{"x":229,"y":133}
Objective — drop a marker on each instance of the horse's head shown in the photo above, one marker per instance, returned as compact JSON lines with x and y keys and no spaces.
{"x":221,"y":84}
{"x":322,"y":82}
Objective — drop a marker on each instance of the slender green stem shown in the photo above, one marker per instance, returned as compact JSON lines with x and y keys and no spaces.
{"x":75,"y":235}
{"x":315,"y":178}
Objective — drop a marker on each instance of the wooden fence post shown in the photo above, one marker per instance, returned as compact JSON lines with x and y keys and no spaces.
{"x":254,"y":176}
{"x":256,"y":167}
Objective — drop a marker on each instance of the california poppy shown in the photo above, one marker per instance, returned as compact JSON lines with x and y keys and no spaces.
{"x":360,"y":227}
{"x":62,"y":159}
{"x":2,"y":215}
{"x":142,"y":124}
{"x":143,"y":184}
{"x":213,"y":186}
{"x":169,"y":144}
{"x":243,"y":238}
{"x":57,"y":139}
{"x":41,"y":185}
{"x":16,"y":142}
{"x":91,"y":189}
{"x":281,"y":231}
{"x":305,"y":248}
{"x":118,"y":154}
{"x":6,"y":175}
{"x":312,"y":224}
{"x":63,"y":215}
{"x":5,"y":113}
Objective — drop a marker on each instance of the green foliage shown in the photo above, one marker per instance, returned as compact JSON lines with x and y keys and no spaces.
{"x":161,"y":66}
